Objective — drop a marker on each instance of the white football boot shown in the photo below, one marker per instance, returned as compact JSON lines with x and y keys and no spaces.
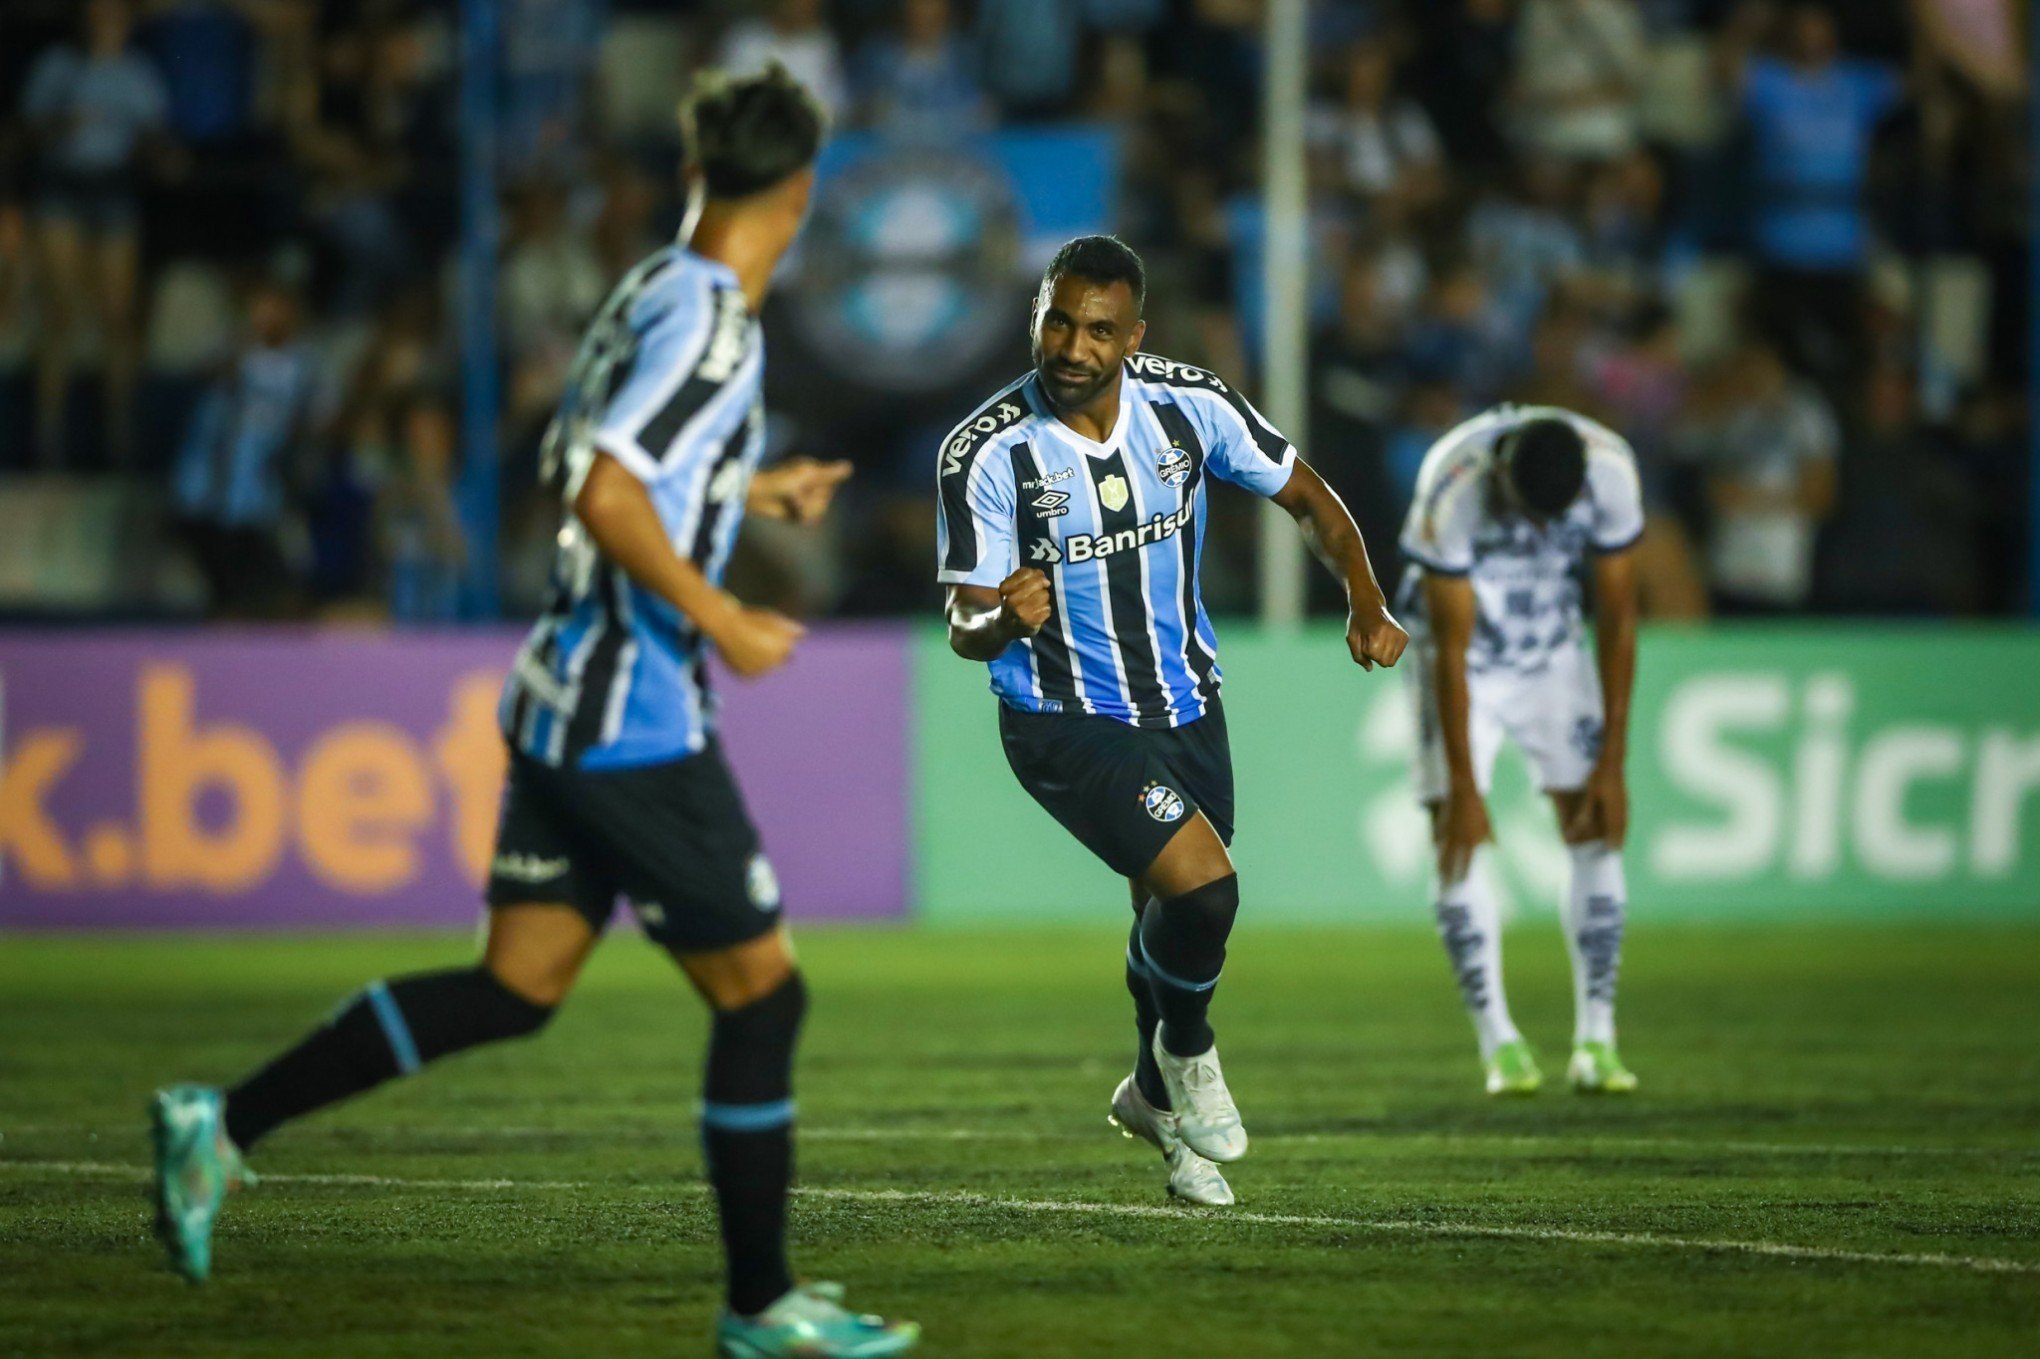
{"x":1206,"y":1117}
{"x":1191,"y":1177}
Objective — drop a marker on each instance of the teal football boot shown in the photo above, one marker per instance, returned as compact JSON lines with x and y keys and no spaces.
{"x":195,"y":1167}
{"x":811,"y":1323}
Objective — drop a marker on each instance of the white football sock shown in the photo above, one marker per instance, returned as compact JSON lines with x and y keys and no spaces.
{"x":1470,"y":927}
{"x":1596,"y":903}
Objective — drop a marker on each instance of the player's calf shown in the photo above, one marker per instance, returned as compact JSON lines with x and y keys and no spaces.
{"x":1182,"y":945}
{"x":1596,"y":910}
{"x":386,"y":1030}
{"x":747,"y":1138}
{"x":1140,"y":984}
{"x":1470,"y":928}
{"x":1183,"y":948}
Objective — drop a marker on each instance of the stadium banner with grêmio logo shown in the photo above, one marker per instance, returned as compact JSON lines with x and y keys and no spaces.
{"x":904,"y":279}
{"x":325,"y":779}
{"x":1798,"y":771}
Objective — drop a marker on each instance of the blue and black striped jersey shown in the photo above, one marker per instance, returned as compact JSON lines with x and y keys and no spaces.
{"x":1118,"y":527}
{"x":668,"y":382}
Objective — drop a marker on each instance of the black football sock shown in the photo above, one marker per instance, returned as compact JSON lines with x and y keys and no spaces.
{"x":1140,"y":985}
{"x":747,"y":1138}
{"x":388,"y":1029}
{"x":1182,"y":942}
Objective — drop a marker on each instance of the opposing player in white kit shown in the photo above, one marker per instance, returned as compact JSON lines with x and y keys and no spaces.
{"x":1510,"y":509}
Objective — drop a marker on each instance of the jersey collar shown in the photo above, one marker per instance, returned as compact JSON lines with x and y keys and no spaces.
{"x":1092,"y":448}
{"x":721,"y":272}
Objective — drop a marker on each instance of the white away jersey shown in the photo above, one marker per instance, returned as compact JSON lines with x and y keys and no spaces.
{"x":1526,"y":579}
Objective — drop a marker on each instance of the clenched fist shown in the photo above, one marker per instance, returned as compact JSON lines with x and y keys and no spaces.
{"x":1375,"y":638}
{"x":1024,"y":602}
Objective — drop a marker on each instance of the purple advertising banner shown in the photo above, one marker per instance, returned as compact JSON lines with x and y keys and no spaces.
{"x":321,"y":779}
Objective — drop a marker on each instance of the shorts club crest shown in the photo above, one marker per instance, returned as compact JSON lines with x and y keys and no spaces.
{"x":1163,"y":804}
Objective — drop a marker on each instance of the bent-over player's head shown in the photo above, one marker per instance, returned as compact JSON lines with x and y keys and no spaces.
{"x":751,"y":142}
{"x":1543,"y":466}
{"x":1087,"y":318}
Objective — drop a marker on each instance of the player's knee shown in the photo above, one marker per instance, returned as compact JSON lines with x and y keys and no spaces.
{"x":516,"y":1015}
{"x":451,"y":1011}
{"x":750,"y":1053}
{"x":539,"y":984}
{"x":779,"y":1010}
{"x":1208,"y":911}
{"x":1186,"y":934}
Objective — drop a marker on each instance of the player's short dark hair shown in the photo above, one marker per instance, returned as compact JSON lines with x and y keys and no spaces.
{"x":1546,"y":461}
{"x":1099,"y":259}
{"x":748,"y":133}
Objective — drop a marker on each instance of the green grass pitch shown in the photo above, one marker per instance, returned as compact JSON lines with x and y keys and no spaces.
{"x":1834,"y":1153}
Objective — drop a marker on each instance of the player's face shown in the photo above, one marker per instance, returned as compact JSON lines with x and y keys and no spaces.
{"x":1513,"y":499}
{"x":1083,"y":331}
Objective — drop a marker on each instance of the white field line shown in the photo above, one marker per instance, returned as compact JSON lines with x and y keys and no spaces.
{"x":1978,"y":1264}
{"x":909,"y":1133}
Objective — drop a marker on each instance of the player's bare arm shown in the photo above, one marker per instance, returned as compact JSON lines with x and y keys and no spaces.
{"x":984,"y":621}
{"x":618,"y":514}
{"x":1603,"y":811}
{"x":796,"y":491}
{"x":1372,"y":634}
{"x":1461,"y":821}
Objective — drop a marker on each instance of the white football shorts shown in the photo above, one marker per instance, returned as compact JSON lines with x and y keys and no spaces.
{"x":1553,"y":714}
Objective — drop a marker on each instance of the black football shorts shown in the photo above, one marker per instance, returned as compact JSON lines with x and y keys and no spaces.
{"x":673,"y":838}
{"x":1123,"y":791}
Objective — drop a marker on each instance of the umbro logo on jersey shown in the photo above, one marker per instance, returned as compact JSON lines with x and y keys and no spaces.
{"x":1083,"y":547}
{"x":1052,"y":504}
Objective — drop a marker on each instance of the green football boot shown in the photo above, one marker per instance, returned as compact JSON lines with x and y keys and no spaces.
{"x":1596,"y":1070}
{"x":1511,"y":1070}
{"x":195,"y":1167}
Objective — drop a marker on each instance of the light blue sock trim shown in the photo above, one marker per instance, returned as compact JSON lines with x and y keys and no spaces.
{"x":1135,"y":963}
{"x":746,"y":1117}
{"x":402,"y":1046}
{"x":1156,"y":970}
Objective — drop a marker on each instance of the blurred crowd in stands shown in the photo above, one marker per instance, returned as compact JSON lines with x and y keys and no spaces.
{"x":1783,"y":247}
